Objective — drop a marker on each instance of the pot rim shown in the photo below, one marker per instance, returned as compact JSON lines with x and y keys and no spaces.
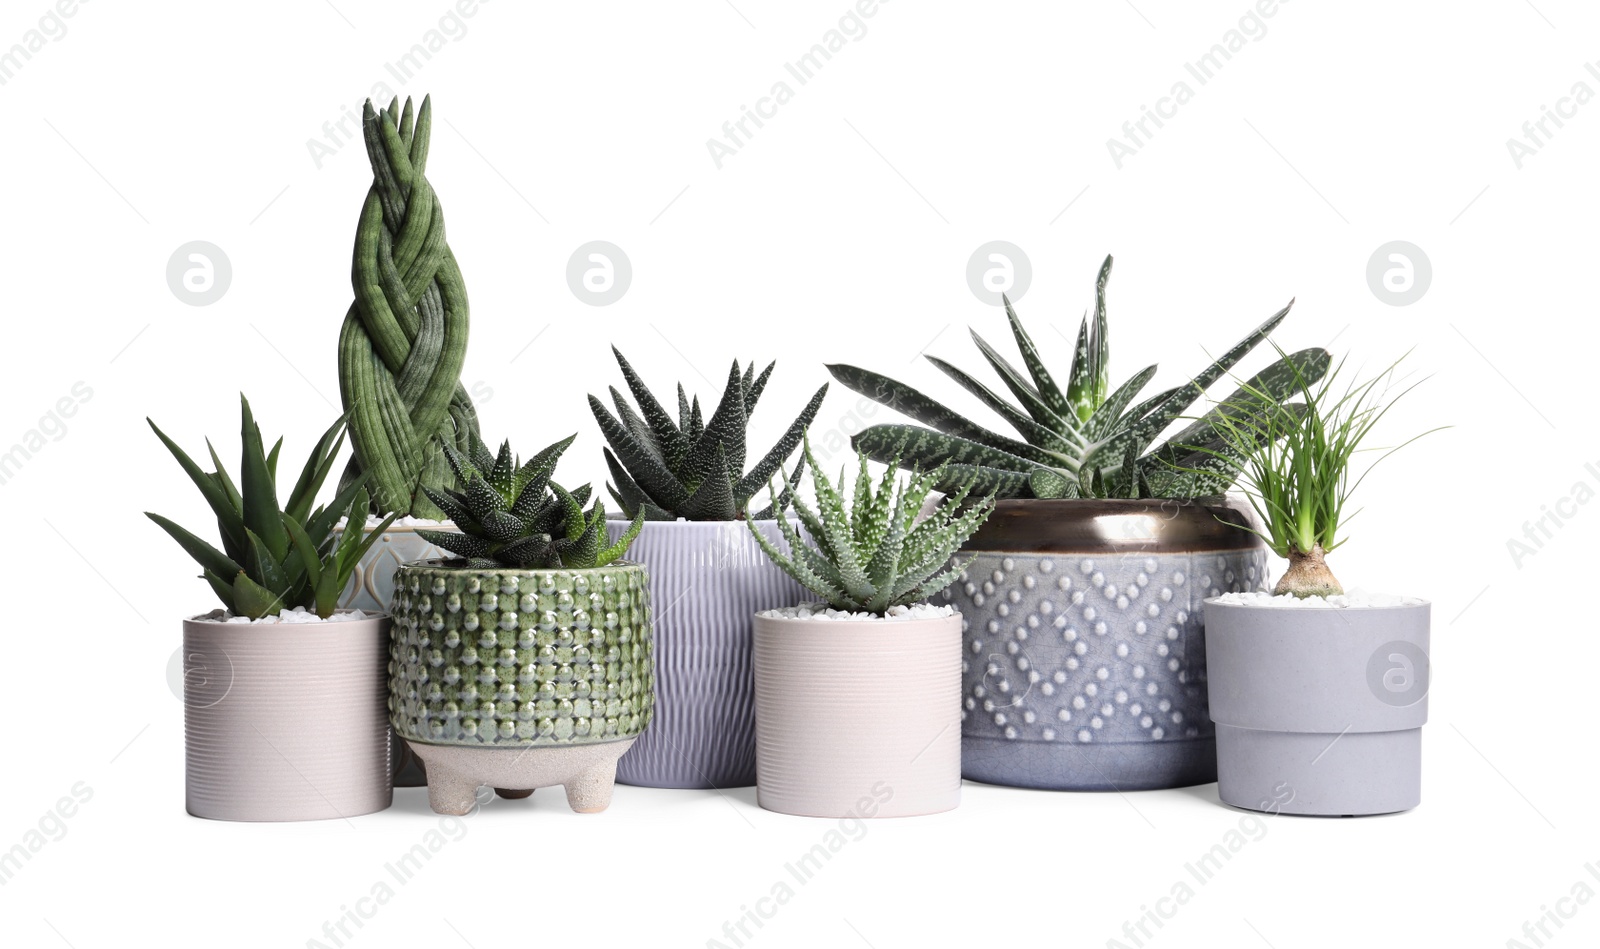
{"x":201,"y":619}
{"x":1099,"y":526}
{"x":439,"y":563}
{"x":445,"y":525}
{"x":876,"y":622}
{"x":1215,"y":602}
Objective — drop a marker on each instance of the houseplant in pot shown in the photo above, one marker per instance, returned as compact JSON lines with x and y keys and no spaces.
{"x":1085,"y":658}
{"x":687,"y":478}
{"x":525,"y":662}
{"x":401,"y":348}
{"x":858,"y":697}
{"x":1319,"y":696}
{"x":284,"y":694}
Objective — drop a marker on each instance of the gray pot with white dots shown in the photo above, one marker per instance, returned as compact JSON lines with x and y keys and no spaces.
{"x":1084,"y":661}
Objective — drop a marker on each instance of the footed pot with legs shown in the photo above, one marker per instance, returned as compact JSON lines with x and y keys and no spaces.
{"x":520,"y":679}
{"x":527,"y":662}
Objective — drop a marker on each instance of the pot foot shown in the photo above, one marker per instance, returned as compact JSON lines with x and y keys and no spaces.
{"x":450,"y":792}
{"x":590,"y":792}
{"x":514,"y":794}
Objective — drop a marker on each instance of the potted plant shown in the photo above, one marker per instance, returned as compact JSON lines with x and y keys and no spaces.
{"x":401,"y":349}
{"x":1319,"y":696}
{"x":525,"y":662}
{"x":284,"y":697}
{"x":687,"y":478}
{"x":858,"y":697}
{"x":1085,"y":659}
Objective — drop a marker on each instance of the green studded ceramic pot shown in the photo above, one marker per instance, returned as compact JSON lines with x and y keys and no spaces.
{"x":509,"y":658}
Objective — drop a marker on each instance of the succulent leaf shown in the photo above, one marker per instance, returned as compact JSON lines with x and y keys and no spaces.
{"x":693,"y":468}
{"x":871,"y":553}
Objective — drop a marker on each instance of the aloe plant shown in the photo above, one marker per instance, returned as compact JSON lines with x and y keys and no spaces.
{"x":274,"y":558}
{"x":1086,"y":440}
{"x":1297,"y":469}
{"x":511,"y":514}
{"x":405,"y":337}
{"x":872,"y":553}
{"x":693,"y":467}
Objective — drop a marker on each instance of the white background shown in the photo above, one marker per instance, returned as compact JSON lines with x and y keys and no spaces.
{"x":840,"y":232}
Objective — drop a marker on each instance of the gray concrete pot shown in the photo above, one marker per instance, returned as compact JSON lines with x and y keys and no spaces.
{"x":1319,"y":710}
{"x":857,"y":718}
{"x":707,"y":578}
{"x":285,"y":722}
{"x":1085,"y":662}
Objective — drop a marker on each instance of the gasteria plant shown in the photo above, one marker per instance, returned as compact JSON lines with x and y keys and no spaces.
{"x":274,"y":559}
{"x":404,"y":338}
{"x":873,"y":554}
{"x":692,"y":468}
{"x":1297,"y":469}
{"x":1086,"y":440}
{"x":512,"y":515}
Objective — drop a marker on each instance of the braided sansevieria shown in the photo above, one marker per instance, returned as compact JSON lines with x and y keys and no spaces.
{"x":405,"y":336}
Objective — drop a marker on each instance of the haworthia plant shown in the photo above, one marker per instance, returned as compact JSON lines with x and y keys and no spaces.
{"x":693,"y":467}
{"x":274,"y":558}
{"x":511,"y":514}
{"x":405,"y":336}
{"x":871,"y":553}
{"x":1086,"y":440}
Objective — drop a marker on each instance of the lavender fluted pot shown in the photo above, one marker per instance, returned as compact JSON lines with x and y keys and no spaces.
{"x":707,"y":580}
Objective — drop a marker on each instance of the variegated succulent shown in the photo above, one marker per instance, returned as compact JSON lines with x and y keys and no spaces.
{"x":692,"y":468}
{"x":511,"y":514}
{"x":1086,"y":440}
{"x":873,"y":553}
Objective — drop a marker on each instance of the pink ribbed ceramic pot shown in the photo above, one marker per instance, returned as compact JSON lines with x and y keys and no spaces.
{"x":858,"y":718}
{"x":288,"y":721}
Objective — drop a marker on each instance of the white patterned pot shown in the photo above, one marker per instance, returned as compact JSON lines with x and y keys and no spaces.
{"x":707,"y":578}
{"x":286,"y":722}
{"x":371,"y":588}
{"x":858,"y":718}
{"x":1085,"y":658}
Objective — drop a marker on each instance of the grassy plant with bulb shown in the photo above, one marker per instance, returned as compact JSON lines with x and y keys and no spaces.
{"x":1297,"y":471}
